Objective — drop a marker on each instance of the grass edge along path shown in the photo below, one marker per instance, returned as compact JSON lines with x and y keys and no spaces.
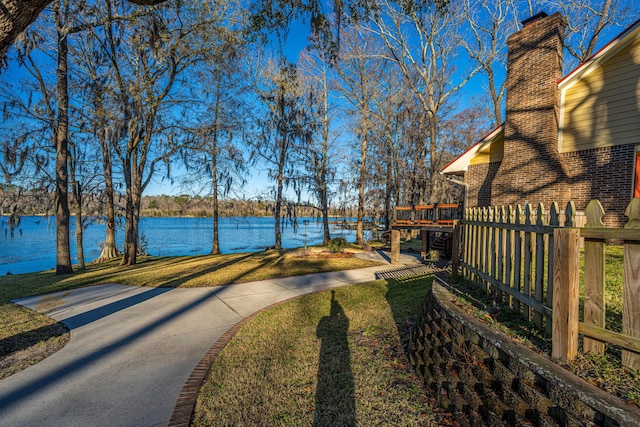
{"x":328,"y":358}
{"x":27,"y":337}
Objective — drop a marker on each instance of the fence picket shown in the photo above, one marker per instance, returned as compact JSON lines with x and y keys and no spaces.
{"x":539,"y":266}
{"x":570,"y":215}
{"x":594,"y":306}
{"x":486,"y":253}
{"x":477,"y":246}
{"x":517,"y":264}
{"x":466,"y":238}
{"x":493,"y":215}
{"x":471,"y":233}
{"x":554,"y":221}
{"x":500,"y":244}
{"x":528,"y":255}
{"x":631,"y":302}
{"x":508,"y":256}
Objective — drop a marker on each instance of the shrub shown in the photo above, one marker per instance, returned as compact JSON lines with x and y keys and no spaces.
{"x":337,"y":245}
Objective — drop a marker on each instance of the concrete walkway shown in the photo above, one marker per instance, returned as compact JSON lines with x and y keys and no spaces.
{"x":132,"y":349}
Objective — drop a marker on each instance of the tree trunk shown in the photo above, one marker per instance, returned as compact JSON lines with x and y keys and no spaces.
{"x":215,"y":245}
{"x":361,"y":183}
{"x":388,"y":186}
{"x":495,"y":99}
{"x":15,"y":17}
{"x":276,"y":213}
{"x":130,"y":235}
{"x":130,"y":253}
{"x":137,"y":200}
{"x":63,"y":252}
{"x":324,"y":197}
{"x":77,"y":195}
{"x":433,"y":152}
{"x":281,"y":162}
{"x":326,"y":238}
{"x":109,"y":250}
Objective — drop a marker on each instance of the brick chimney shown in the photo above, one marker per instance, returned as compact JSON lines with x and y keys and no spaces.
{"x":532,"y":169}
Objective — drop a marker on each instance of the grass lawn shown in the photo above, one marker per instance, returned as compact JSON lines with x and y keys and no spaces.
{"x":325,"y":359}
{"x":27,"y":337}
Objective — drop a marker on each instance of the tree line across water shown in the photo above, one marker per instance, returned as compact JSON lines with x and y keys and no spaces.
{"x":38,"y":202}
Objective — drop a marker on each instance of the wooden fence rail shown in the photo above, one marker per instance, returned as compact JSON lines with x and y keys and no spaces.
{"x":530,"y":259}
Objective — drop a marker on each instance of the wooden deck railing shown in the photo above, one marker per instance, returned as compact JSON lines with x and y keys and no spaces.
{"x":444,"y":214}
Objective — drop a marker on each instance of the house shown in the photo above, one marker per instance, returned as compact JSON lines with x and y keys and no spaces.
{"x":564,"y":138}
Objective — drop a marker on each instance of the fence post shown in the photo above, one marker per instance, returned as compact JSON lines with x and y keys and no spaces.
{"x":424,"y":236}
{"x":395,"y":246}
{"x":565,"y":293}
{"x":631,"y":292}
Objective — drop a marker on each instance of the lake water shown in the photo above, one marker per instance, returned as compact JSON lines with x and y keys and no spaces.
{"x":32,"y":248}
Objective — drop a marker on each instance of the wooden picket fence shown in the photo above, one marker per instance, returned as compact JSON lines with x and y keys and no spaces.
{"x":530,"y":259}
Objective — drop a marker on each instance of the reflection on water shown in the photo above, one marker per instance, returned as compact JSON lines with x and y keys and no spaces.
{"x":33,"y":245}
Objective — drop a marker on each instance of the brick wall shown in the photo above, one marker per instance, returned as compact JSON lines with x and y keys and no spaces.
{"x":480,"y":178}
{"x":532,"y":169}
{"x":605,"y":174}
{"x":484,"y":378}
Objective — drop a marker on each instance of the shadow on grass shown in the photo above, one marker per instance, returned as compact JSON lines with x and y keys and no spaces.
{"x":27,"y":339}
{"x":177,"y":281}
{"x":30,"y":284}
{"x":404,"y":296}
{"x":335,"y":392}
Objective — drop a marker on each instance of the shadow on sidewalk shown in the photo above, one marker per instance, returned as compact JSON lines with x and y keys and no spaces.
{"x":335,"y":392}
{"x":98,"y":313}
{"x":78,"y":362}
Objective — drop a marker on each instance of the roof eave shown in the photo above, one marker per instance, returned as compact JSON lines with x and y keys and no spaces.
{"x":604,"y":53}
{"x":461,"y":163}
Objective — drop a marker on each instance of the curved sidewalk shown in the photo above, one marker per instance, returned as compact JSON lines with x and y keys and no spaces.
{"x":132,"y":349}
